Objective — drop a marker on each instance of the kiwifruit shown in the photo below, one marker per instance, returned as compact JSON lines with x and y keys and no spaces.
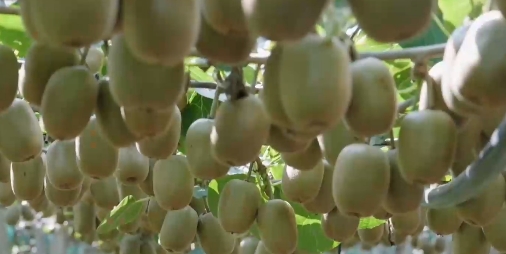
{"x":7,"y":196}
{"x":305,"y":159}
{"x":61,"y":197}
{"x":198,"y":204}
{"x":96,"y":157}
{"x":406,"y":222}
{"x":482,"y":209}
{"x":323,"y":202}
{"x":12,"y":214}
{"x":153,"y":86}
{"x":367,"y":114}
{"x":476,"y":73}
{"x":382,"y":214}
{"x":212,"y":236}
{"x":130,"y":244}
{"x":361,"y":180}
{"x":392,"y":20}
{"x":5,"y":169}
{"x":451,"y":49}
{"x":38,"y":204}
{"x":241,"y":127}
{"x":163,"y":37}
{"x":147,"y":185}
{"x":335,"y":139}
{"x":371,"y":235}
{"x":108,"y":246}
{"x":311,"y":102}
{"x":173,"y":182}
{"x":229,"y":48}
{"x":302,"y":185}
{"x":20,"y":134}
{"x":84,"y":217}
{"x":95,"y":59}
{"x":164,"y":144}
{"x":110,"y":120}
{"x":84,"y":193}
{"x":351,"y":241}
{"x":338,"y":226}
{"x":277,"y":226}
{"x":469,"y":239}
{"x":198,"y":151}
{"x":431,"y":96}
{"x":271,"y":94}
{"x":161,"y":250}
{"x":68,"y":102}
{"x":281,"y":142}
{"x":50,"y":210}
{"x":155,"y":214}
{"x":494,"y":232}
{"x":468,"y":145}
{"x":41,"y":61}
{"x":147,"y":122}
{"x":105,"y":192}
{"x":10,"y":75}
{"x":402,"y":196}
{"x":147,"y":247}
{"x":179,"y":228}
{"x":27,"y":213}
{"x":261,"y":248}
{"x":62,"y":169}
{"x":238,"y":195}
{"x":27,"y":178}
{"x":248,"y":245}
{"x":26,"y":13}
{"x":435,"y":131}
{"x":282,"y":20}
{"x":225,"y":16}
{"x":133,"y":167}
{"x":85,"y":22}
{"x":440,"y":245}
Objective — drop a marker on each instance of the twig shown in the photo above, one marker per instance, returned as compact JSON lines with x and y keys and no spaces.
{"x":216,"y":102}
{"x":106,"y":47}
{"x":250,"y":170}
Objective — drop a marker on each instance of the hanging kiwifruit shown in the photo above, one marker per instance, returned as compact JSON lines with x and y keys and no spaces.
{"x":147,"y":122}
{"x":41,"y":62}
{"x":62,"y":169}
{"x":305,"y":159}
{"x":212,"y":237}
{"x":179,"y":228}
{"x":494,"y":232}
{"x":339,"y":227}
{"x":224,"y":16}
{"x":26,"y":13}
{"x":61,"y":197}
{"x":20,"y":134}
{"x":361,"y":180}
{"x":38,"y":204}
{"x":402,"y":196}
{"x":105,"y":192}
{"x":248,"y":245}
{"x":469,"y":240}
{"x":382,"y":214}
{"x":155,"y":214}
{"x":152,"y":86}
{"x":165,"y":36}
{"x":83,"y":23}
{"x":373,"y":106}
{"x":281,"y":142}
{"x":285,"y":20}
{"x":315,"y":82}
{"x":9,"y":73}
{"x":371,"y":235}
{"x":334,"y":140}
{"x":109,"y":118}
{"x":134,"y":190}
{"x":407,"y":222}
{"x":68,"y":102}
{"x":84,"y":217}
{"x":164,"y":144}
{"x":95,"y":59}
{"x":238,"y":195}
{"x":468,"y":145}
{"x":481,"y":210}
{"x":323,"y":202}
{"x":130,"y":244}
{"x":302,"y":185}
{"x":436,"y":133}
{"x":241,"y":127}
{"x":27,"y":178}
{"x":147,"y":185}
{"x":96,"y":157}
{"x":277,"y":226}
{"x":7,"y":196}
{"x":173,"y":182}
{"x":392,"y":20}
{"x":133,"y":167}
{"x":477,"y":72}
{"x":5,"y":169}
{"x":198,"y":151}
{"x":227,"y":48}
{"x":12,"y":214}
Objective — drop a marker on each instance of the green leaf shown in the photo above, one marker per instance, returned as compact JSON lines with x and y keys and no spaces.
{"x":370,"y":222}
{"x":249,"y":74}
{"x":199,"y":75}
{"x":12,"y":34}
{"x":199,"y":107}
{"x":455,"y":11}
{"x":277,"y":171}
{"x":127,"y":211}
{"x":405,"y":86}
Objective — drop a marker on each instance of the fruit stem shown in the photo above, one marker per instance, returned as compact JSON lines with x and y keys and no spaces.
{"x":234,"y":84}
{"x":83,"y":55}
{"x":255,"y":75}
{"x":216,"y":102}
{"x":440,"y":24}
{"x":392,"y":139}
{"x":250,"y":170}
{"x":262,"y":170}
{"x":105,"y":46}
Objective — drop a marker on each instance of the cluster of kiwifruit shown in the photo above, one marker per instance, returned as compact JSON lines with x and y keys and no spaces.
{"x":118,"y":136}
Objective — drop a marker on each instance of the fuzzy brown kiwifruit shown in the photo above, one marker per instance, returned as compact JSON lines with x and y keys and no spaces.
{"x":305,"y":159}
{"x":469,"y":240}
{"x":173,"y":182}
{"x":323,"y":202}
{"x":339,"y":227}
{"x":27,"y":178}
{"x":302,"y":185}
{"x":9,"y":73}
{"x":277,"y":226}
